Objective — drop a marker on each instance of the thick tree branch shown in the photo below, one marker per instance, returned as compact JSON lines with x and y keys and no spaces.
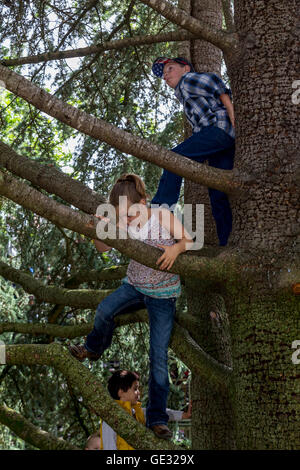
{"x":200,"y":363}
{"x":81,"y":298}
{"x":170,"y":36}
{"x":219,"y":38}
{"x":218,"y":268}
{"x":114,"y":273}
{"x":32,"y":434}
{"x":185,"y":348}
{"x":51,"y":179}
{"x":41,"y":329}
{"x":90,"y":388}
{"x":224,"y":180}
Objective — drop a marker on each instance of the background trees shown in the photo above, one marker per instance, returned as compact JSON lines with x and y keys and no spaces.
{"x":250,"y":281}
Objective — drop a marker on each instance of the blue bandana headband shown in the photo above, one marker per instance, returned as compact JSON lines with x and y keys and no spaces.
{"x":160,"y":62}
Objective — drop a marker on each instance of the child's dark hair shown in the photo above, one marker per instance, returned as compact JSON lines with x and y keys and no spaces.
{"x":121,"y":380}
{"x":129,"y":185}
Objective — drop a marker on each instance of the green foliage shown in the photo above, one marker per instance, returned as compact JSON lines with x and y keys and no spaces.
{"x":116,"y":86}
{"x":10,"y":441}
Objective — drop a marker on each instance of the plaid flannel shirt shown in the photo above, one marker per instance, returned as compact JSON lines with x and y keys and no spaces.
{"x":200,"y":95}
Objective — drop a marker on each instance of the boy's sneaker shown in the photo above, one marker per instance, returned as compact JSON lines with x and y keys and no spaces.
{"x":80,"y":353}
{"x":162,"y":431}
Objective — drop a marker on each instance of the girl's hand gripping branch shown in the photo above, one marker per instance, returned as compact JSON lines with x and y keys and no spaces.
{"x":177,"y":231}
{"x":169,"y":256}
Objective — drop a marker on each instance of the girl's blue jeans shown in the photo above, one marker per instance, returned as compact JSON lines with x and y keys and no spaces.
{"x":216,"y":146}
{"x":161,"y":313}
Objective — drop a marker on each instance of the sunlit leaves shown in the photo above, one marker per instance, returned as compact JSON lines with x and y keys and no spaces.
{"x":116,"y":86}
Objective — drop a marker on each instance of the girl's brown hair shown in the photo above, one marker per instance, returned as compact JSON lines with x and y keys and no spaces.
{"x":129,"y":185}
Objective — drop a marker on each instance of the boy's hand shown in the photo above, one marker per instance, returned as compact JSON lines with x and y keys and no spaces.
{"x":188,"y":414}
{"x":231,"y":117}
{"x":169,"y":256}
{"x":229,"y":106}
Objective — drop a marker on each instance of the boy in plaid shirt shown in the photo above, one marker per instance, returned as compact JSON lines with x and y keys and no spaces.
{"x":208,"y":108}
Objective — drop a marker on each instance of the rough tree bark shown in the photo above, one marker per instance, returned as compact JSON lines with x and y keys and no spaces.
{"x":263,"y":324}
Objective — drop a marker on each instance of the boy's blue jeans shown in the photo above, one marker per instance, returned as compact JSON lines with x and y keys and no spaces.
{"x":216,"y":146}
{"x":161,"y":317}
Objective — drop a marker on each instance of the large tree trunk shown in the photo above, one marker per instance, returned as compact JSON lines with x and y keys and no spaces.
{"x":212,"y":406}
{"x":262,"y":75}
{"x":267,"y":390}
{"x":263,"y":323}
